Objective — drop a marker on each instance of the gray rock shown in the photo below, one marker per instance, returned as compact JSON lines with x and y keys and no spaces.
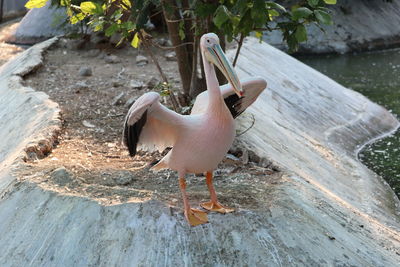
{"x":81,"y":85}
{"x":61,"y":176}
{"x":124,"y":178}
{"x":112,"y":59}
{"x":170,"y":56}
{"x":152,"y":82}
{"x":141,"y":60}
{"x":118,"y":99}
{"x":135,"y":84}
{"x":85,"y":71}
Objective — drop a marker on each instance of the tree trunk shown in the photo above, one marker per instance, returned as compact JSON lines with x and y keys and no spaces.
{"x":172,"y":18}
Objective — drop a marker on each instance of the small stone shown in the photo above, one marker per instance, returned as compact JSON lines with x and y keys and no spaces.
{"x":141,"y":60}
{"x":88,"y":124}
{"x":130,"y":101}
{"x":117,"y":83}
{"x":162,"y":41}
{"x":85,"y":71}
{"x":81,"y":85}
{"x":152,"y":82}
{"x":118,"y":99}
{"x":61,"y":176}
{"x":149,"y":26}
{"x":134,"y":84}
{"x":170,"y":56}
{"x":112,"y":59}
{"x":231,"y":159}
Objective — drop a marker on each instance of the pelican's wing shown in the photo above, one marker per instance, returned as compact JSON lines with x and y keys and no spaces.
{"x":149,"y":125}
{"x":252,"y":88}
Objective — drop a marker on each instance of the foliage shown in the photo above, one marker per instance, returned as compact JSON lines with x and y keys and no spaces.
{"x":187,"y":20}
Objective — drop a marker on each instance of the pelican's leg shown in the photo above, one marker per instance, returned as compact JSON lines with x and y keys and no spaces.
{"x":193,"y":216}
{"x":213,"y":205}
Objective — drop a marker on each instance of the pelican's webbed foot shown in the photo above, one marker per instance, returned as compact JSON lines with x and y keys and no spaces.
{"x":216,"y":206}
{"x":196,"y":217}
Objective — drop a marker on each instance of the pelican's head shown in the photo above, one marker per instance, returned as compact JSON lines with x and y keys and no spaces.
{"x":212,"y":51}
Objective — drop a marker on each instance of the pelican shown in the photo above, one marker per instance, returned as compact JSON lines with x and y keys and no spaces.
{"x":199,"y":141}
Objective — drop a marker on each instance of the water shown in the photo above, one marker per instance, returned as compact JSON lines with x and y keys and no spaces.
{"x":377,"y":76}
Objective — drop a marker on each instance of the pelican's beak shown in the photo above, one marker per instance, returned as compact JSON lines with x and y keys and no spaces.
{"x":218,"y":58}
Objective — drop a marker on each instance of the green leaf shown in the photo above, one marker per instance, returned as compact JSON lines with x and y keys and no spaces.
{"x":126,"y":4}
{"x":181,"y":30}
{"x":91,"y":8}
{"x":111,"y":30}
{"x":330,"y":2}
{"x":301,"y":33}
{"x":301,"y":13}
{"x":35,"y":3}
{"x":135,"y":41}
{"x":221,"y":16}
{"x":323,"y":17}
{"x":76,"y":18}
{"x":313,"y":3}
{"x":276,"y":6}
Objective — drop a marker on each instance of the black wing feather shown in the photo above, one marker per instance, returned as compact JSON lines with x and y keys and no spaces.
{"x":234,"y":103}
{"x":132,"y":133}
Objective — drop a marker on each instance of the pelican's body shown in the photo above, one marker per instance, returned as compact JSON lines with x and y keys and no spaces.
{"x":200,"y":140}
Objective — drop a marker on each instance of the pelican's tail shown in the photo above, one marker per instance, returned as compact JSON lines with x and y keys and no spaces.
{"x":159,"y":166}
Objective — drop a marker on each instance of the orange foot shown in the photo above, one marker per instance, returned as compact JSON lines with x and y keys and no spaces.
{"x":216,"y":206}
{"x":196,"y":217}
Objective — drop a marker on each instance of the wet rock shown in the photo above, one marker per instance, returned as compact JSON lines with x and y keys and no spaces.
{"x":152,"y":82}
{"x":135,"y":84}
{"x":118,"y":99}
{"x":85,"y":71}
{"x":141,"y":60}
{"x":112,"y":59}
{"x":61,"y":176}
{"x":170,"y":56}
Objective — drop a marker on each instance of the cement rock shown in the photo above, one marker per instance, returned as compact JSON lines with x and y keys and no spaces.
{"x":327,"y":210}
{"x":358,"y":26}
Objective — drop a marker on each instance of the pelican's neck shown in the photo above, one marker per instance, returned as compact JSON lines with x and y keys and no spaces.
{"x":214,"y":93}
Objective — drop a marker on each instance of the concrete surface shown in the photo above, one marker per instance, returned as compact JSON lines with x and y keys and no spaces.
{"x":359,"y":25}
{"x":327,"y":210}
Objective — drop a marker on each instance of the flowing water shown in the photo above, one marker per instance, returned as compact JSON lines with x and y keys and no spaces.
{"x":377,"y":76}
